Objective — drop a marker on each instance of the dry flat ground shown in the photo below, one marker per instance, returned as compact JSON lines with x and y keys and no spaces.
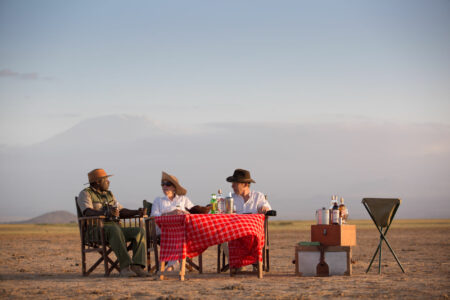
{"x":43,"y":261}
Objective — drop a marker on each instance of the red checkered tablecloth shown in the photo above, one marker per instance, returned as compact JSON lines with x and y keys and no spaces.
{"x":189,"y":235}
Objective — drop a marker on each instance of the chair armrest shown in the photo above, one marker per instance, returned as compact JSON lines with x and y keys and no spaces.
{"x":271,"y":213}
{"x":92,"y":218}
{"x":133,"y":217}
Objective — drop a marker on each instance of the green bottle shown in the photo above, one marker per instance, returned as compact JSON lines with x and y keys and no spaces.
{"x":213,"y":204}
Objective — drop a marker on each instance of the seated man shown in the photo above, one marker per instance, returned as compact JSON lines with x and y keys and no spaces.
{"x":97,"y":200}
{"x":246,"y":200}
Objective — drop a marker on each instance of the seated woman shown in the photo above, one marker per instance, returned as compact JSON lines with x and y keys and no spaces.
{"x":174,"y":202}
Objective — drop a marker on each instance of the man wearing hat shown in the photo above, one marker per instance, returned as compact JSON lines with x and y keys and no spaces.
{"x":93,"y":201}
{"x":246,"y":200}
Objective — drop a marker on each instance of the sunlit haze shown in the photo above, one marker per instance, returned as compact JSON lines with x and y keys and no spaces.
{"x":314,"y":98}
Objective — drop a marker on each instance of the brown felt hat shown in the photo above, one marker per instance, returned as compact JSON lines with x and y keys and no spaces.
{"x":97,"y":174}
{"x":179,"y":190}
{"x":240,"y":175}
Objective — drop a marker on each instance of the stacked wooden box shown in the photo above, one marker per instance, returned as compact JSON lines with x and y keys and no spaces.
{"x":336,"y":240}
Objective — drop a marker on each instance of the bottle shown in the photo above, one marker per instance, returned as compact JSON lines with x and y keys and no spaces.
{"x":343,"y":211}
{"x":213,"y":204}
{"x":229,"y":204}
{"x":220,"y":202}
{"x":330,"y":211}
{"x":335,"y":213}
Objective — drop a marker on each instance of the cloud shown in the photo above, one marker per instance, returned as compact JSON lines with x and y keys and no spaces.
{"x":24,"y":76}
{"x":65,"y":115}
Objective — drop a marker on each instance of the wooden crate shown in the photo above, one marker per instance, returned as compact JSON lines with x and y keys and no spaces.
{"x":338,"y":259}
{"x":334,"y":235}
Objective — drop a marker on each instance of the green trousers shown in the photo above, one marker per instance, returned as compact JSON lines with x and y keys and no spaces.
{"x":118,"y":237}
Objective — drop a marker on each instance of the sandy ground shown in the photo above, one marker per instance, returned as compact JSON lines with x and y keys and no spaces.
{"x":48,"y":267}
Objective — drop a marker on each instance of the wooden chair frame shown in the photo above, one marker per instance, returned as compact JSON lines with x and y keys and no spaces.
{"x":222,"y":266}
{"x":93,"y":239}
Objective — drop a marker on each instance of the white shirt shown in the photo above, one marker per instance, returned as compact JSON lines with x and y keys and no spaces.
{"x":255,"y":201}
{"x":162,"y":205}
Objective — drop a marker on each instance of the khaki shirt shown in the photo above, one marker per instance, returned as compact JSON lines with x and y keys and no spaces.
{"x":86,"y":200}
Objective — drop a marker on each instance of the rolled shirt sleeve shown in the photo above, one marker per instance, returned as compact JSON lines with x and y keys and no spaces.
{"x":84,"y":201}
{"x":262,"y":201}
{"x":156,"y":207}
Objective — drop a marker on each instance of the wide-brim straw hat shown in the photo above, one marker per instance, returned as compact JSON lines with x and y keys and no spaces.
{"x":96,"y":174}
{"x":241,"y":176}
{"x":179,"y":190}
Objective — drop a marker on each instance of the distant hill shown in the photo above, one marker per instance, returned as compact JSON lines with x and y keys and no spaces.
{"x":55,"y":217}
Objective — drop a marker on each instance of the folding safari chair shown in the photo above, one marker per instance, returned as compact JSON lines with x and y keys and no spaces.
{"x":382,"y":212}
{"x":222,"y":266}
{"x":92,"y":236}
{"x":153,"y":240}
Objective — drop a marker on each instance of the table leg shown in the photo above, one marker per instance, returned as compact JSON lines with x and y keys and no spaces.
{"x":260,"y":269}
{"x":183,"y":269}
{"x":161,"y":271}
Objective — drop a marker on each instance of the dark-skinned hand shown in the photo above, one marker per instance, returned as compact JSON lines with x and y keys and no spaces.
{"x":114,"y":211}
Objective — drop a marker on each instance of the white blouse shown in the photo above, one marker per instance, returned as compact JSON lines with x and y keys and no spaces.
{"x":163,"y":205}
{"x":255,"y":201}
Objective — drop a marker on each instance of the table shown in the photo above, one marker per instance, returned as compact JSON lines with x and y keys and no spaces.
{"x":189,"y":235}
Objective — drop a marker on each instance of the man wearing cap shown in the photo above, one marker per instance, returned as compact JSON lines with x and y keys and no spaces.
{"x":92,"y":201}
{"x":246,"y":200}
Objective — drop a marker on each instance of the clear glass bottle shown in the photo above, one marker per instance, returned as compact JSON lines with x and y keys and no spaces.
{"x":220,"y":202}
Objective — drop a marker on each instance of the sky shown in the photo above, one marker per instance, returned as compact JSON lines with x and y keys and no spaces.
{"x":190,"y":63}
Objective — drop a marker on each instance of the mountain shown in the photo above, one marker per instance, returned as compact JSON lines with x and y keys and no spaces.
{"x":104,"y":130}
{"x":298,"y":165}
{"x":54,"y":217}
